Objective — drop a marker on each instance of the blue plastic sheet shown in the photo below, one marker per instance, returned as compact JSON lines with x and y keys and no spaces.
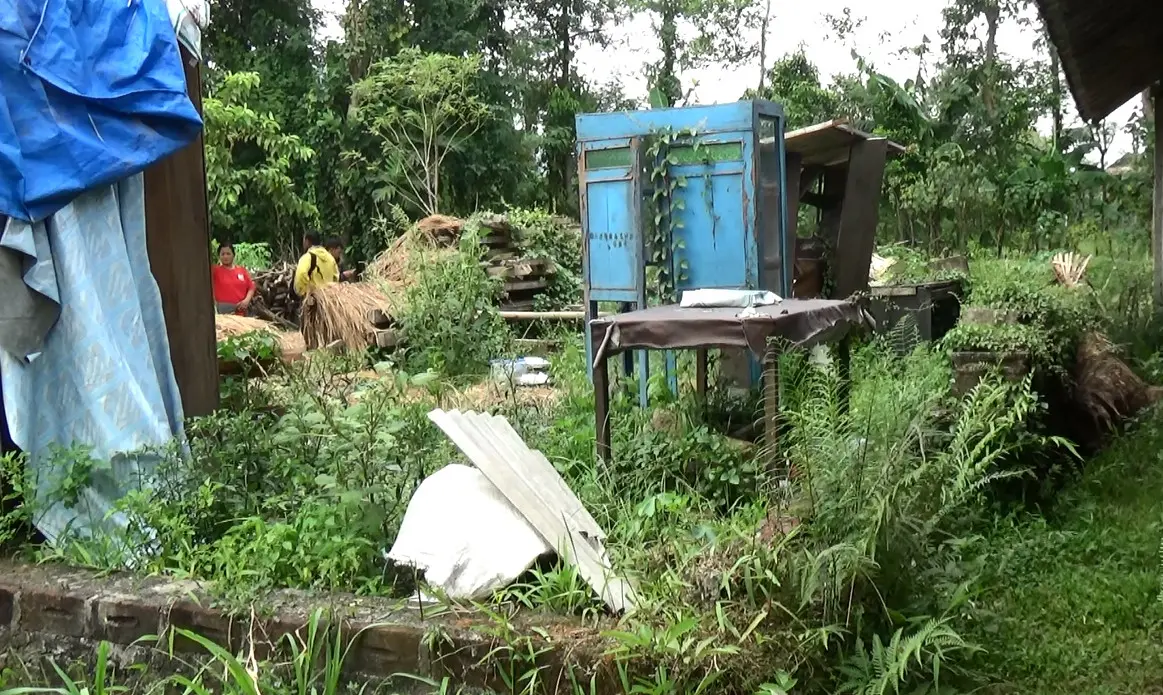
{"x":104,"y":379}
{"x":91,"y":92}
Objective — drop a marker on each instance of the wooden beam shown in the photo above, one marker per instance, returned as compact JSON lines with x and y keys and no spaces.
{"x":547,"y":315}
{"x":859,"y":214}
{"x":821,"y":201}
{"x":177,"y":231}
{"x":1157,"y":203}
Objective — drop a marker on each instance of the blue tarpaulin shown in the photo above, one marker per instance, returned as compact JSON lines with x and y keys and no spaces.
{"x":104,"y":379}
{"x":91,"y":92}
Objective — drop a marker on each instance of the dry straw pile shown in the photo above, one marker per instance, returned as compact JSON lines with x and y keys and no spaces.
{"x":436,"y":234}
{"x":230,"y":325}
{"x":291,"y":343}
{"x":431,"y":240}
{"x":1104,"y":386}
{"x":341,"y":313}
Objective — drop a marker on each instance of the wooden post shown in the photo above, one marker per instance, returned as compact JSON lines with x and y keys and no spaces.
{"x":701,"y":374}
{"x":602,"y":410}
{"x":859,"y":213}
{"x":177,"y":234}
{"x":771,"y":414}
{"x":1157,"y":206}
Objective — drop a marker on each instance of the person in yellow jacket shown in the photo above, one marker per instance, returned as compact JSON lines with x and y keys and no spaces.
{"x":316,"y":267}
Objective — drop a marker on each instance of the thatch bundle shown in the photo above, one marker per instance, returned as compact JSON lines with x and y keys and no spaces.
{"x":1105,"y":386}
{"x":291,"y":343}
{"x":443,"y":229}
{"x":231,"y":325}
{"x":1069,"y":268}
{"x":342,"y":312}
{"x":431,"y":240}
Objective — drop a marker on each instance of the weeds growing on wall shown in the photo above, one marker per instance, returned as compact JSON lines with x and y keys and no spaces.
{"x":1050,"y":318}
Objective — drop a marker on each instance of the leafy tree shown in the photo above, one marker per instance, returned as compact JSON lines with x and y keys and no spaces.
{"x":794,"y":82}
{"x":420,"y":107}
{"x":547,"y":35}
{"x":695,"y":33}
{"x":272,"y":38}
{"x":248,"y":165}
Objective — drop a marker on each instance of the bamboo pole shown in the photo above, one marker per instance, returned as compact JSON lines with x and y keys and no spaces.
{"x":546,"y":315}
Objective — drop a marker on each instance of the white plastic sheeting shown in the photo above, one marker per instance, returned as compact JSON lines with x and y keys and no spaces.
{"x":539,"y":494}
{"x":710,"y":298}
{"x":190,"y":17}
{"x":466,"y":537}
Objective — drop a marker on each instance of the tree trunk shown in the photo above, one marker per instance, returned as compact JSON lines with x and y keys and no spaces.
{"x":562,"y":164}
{"x":763,"y":44}
{"x":992,"y":13}
{"x":1157,"y":203}
{"x":564,"y":39}
{"x":1056,"y":90}
{"x":668,"y":82}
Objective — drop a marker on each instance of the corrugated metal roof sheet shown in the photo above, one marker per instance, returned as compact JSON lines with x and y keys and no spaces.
{"x":528,"y":480}
{"x":828,"y":143}
{"x":1110,"y":51}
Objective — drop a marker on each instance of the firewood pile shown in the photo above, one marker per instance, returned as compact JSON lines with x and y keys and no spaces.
{"x":524,"y":278}
{"x":277,"y":298}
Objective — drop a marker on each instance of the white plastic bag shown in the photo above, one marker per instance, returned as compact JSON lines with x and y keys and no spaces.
{"x":466,"y":537}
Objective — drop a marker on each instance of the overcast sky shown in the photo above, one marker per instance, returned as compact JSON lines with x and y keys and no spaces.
{"x":882,"y":39}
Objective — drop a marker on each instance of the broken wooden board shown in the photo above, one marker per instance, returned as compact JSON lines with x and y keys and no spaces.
{"x":380,"y":318}
{"x":387,"y":338}
{"x":517,"y":305}
{"x":520,"y":268}
{"x":527,"y":479}
{"x":526,"y":285}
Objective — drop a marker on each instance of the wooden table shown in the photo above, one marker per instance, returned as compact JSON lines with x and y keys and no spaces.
{"x":766,"y":331}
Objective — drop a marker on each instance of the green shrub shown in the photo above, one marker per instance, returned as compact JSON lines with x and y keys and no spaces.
{"x":252,"y":256}
{"x":451,"y":321}
{"x":1051,"y":318}
{"x":544,"y":235}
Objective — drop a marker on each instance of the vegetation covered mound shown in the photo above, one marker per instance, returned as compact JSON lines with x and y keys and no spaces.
{"x":1046,"y":311}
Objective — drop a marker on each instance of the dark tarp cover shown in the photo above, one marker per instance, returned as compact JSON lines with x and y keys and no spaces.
{"x":801,"y":322}
{"x":91,"y":92}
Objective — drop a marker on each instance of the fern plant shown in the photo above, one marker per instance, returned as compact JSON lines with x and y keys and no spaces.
{"x":892,"y":485}
{"x":881,"y":667}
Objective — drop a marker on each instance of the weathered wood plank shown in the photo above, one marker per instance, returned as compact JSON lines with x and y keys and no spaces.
{"x":1157,"y":206}
{"x":387,"y":338}
{"x":859,"y":215}
{"x":380,"y":318}
{"x":178,"y":241}
{"x":526,"y":285}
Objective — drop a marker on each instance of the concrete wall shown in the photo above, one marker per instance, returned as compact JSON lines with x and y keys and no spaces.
{"x":63,"y":613}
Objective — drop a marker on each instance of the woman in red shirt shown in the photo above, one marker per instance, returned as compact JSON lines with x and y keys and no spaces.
{"x":233,"y":288}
